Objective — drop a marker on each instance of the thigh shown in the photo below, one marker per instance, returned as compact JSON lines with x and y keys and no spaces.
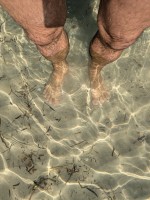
{"x":36,"y":13}
{"x":123,"y":20}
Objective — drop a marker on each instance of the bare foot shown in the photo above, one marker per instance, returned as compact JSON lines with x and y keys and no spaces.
{"x":52,"y":92}
{"x":98,"y":92}
{"x":99,"y":95}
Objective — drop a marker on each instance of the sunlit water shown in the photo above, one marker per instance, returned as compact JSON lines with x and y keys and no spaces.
{"x":73,"y":151}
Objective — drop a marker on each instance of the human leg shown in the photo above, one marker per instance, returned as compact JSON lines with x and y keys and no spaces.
{"x":47,"y":33}
{"x":120,"y":23}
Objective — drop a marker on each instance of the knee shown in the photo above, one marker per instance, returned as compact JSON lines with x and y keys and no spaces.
{"x":118,"y":40}
{"x":122,"y":41}
{"x":49,"y":41}
{"x":44,"y":36}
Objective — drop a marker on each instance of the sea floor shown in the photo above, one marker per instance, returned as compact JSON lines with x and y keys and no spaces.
{"x":73,"y":151}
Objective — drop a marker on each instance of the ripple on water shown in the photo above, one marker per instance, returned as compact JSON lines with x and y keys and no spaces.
{"x":73,"y":151}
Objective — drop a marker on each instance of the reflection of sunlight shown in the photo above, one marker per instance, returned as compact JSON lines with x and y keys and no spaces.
{"x":73,"y":150}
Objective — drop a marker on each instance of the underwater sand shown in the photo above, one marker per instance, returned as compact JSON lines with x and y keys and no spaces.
{"x":73,"y":151}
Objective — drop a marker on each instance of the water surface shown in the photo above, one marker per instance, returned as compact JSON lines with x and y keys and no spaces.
{"x":73,"y":151}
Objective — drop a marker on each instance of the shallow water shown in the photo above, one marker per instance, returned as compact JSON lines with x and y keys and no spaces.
{"x":73,"y":151}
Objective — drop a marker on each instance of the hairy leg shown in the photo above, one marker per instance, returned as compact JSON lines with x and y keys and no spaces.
{"x":101,"y":55}
{"x":43,"y":22}
{"x":56,"y":53}
{"x":114,"y":35}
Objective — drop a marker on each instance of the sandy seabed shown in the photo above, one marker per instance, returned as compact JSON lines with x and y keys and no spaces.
{"x":73,"y":151}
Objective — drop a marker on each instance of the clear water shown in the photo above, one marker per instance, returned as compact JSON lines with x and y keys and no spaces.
{"x":73,"y":151}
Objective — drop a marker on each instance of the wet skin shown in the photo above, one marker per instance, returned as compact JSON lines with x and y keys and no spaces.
{"x":120,"y":23}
